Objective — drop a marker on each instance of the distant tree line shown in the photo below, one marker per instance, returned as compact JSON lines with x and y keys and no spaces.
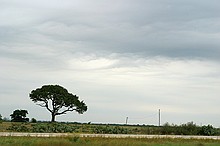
{"x":189,"y":128}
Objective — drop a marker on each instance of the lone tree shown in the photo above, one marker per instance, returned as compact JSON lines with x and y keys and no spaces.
{"x":57,"y":100}
{"x":19,"y":116}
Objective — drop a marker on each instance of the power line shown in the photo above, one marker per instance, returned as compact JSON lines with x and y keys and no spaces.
{"x":152,"y":116}
{"x":141,"y":118}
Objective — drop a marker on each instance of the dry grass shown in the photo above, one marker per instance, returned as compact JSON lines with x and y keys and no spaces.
{"x":76,"y":141}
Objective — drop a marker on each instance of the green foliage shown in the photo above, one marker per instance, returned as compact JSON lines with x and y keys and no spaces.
{"x":42,"y":128}
{"x":189,"y":128}
{"x":19,"y":116}
{"x":53,"y":128}
{"x":168,"y":129}
{"x":57,"y":100}
{"x":33,"y":120}
{"x":19,"y":127}
{"x":74,"y":138}
{"x":110,"y":130}
{"x":0,"y":117}
{"x":208,"y":130}
{"x":101,"y":141}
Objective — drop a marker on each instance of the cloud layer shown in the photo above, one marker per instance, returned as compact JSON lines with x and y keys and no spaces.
{"x":124,"y":58}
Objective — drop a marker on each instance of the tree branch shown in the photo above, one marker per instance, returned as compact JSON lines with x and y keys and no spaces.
{"x":42,"y":104}
{"x":48,"y":108}
{"x":64,"y":112}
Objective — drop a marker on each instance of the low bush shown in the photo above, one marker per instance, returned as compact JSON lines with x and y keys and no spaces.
{"x":110,"y":130}
{"x":33,"y":120}
{"x":53,"y":128}
{"x":208,"y":130}
{"x":18,"y":127}
{"x":189,"y":129}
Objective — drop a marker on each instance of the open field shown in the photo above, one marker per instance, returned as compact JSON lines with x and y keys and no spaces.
{"x":79,"y":128}
{"x":76,"y":134}
{"x":47,"y":127}
{"x":101,"y":141}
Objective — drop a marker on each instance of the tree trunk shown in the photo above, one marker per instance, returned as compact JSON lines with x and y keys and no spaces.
{"x":53,"y":117}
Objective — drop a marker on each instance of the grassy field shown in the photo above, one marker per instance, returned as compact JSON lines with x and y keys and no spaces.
{"x":77,"y":141}
{"x":76,"y":128}
{"x":59,"y":127}
{"x":92,"y":128}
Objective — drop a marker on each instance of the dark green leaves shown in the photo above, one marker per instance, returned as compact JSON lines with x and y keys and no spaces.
{"x":57,"y":100}
{"x":19,"y":116}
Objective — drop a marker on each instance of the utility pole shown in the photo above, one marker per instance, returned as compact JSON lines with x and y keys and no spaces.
{"x":159,"y":117}
{"x":126,"y":120}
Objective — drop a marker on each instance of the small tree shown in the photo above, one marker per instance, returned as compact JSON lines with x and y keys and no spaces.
{"x":57,"y":100}
{"x":208,"y":130}
{"x":19,"y":116}
{"x":33,"y":120}
{"x":0,"y":117}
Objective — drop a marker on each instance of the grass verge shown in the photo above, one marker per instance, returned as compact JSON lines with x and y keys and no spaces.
{"x":99,"y":141}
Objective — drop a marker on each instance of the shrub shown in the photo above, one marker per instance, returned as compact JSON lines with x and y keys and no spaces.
{"x":33,"y":120}
{"x":168,"y":129}
{"x":53,"y":128}
{"x":110,"y":130}
{"x":189,"y":129}
{"x":15,"y":127}
{"x":19,"y":116}
{"x":208,"y":130}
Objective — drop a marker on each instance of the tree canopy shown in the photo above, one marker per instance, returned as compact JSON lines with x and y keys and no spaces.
{"x":19,"y":116}
{"x":57,"y":100}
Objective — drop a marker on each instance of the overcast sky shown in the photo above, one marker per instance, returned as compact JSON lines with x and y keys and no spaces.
{"x":124,"y":58}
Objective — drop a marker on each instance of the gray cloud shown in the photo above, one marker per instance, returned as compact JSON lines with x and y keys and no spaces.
{"x":143,"y":54}
{"x":153,"y":28}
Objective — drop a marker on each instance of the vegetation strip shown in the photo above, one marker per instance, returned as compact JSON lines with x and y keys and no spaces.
{"x":17,"y":134}
{"x":103,"y":141}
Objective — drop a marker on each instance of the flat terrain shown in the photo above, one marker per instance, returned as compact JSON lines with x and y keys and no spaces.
{"x":103,"y":141}
{"x":85,"y":134}
{"x":61,"y":127}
